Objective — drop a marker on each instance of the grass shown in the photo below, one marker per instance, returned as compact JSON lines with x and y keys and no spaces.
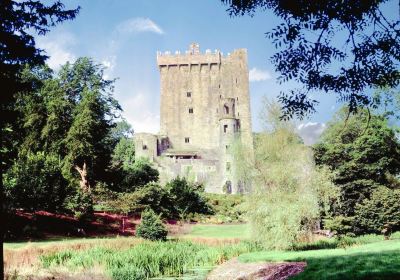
{"x":377,"y":260}
{"x":57,"y":241}
{"x":147,"y":259}
{"x":239,"y":231}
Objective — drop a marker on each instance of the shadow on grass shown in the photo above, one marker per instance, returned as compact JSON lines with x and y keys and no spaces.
{"x":371,"y":266}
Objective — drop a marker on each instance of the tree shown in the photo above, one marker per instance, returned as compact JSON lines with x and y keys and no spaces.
{"x":186,"y":198}
{"x":387,"y":103}
{"x":315,"y":35}
{"x":19,"y":19}
{"x":124,"y":151}
{"x":88,"y":142}
{"x":151,"y":227}
{"x":288,"y":191}
{"x":381,"y":210}
{"x":69,"y":117}
{"x":35,"y":183}
{"x":365,"y":155}
{"x":17,"y":47}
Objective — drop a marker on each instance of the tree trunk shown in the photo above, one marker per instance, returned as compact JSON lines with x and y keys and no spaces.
{"x":84,"y":183}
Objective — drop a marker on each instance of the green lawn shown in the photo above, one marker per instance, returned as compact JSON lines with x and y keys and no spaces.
{"x":220,"y":231}
{"x":378,"y":260}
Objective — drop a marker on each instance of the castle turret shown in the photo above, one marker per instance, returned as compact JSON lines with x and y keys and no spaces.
{"x":228,"y":131}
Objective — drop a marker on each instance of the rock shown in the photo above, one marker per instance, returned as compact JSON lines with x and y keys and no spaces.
{"x":235,"y":270}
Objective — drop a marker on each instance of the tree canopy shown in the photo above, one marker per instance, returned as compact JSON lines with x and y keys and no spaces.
{"x":363,"y":156}
{"x":20,"y":20}
{"x":316,"y":35}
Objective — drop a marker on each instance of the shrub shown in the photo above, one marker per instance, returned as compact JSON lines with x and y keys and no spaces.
{"x":35,"y":182}
{"x":151,"y":227}
{"x":340,"y":225}
{"x":81,"y":205}
{"x":187,"y":198}
{"x":227,"y":207}
{"x":381,"y":211}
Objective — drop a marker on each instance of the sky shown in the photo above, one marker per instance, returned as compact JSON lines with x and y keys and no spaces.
{"x":125,"y":36}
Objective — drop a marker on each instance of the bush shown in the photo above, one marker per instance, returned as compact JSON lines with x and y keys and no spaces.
{"x":81,"y":205}
{"x":187,"y":198}
{"x":131,"y":178}
{"x":151,"y":227}
{"x":381,"y":211}
{"x":227,"y":208}
{"x":340,"y":225}
{"x":35,"y":182}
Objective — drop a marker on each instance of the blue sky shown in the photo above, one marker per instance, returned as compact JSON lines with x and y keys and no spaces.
{"x":125,"y":35}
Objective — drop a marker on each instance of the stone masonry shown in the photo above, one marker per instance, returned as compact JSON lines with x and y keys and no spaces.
{"x":205,"y":107}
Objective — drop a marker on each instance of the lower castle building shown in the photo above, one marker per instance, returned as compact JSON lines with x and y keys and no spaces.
{"x":205,"y":109}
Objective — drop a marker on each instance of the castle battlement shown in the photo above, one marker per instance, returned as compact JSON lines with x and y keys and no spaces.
{"x":193,"y":56}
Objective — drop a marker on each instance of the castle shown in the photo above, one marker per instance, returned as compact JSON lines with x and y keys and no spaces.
{"x":205,"y":108}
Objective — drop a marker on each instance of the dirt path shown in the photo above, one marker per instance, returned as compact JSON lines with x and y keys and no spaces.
{"x":235,"y":270}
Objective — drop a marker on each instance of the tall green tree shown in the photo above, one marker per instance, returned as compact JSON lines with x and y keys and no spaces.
{"x":88,"y":141}
{"x":20,"y":20}
{"x":289,"y":192}
{"x":314,"y":36}
{"x":364,"y":153}
{"x":124,"y":151}
{"x":70,"y":117}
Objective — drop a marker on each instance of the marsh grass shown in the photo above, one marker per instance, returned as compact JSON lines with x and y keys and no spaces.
{"x":23,"y":258}
{"x":148,"y":259}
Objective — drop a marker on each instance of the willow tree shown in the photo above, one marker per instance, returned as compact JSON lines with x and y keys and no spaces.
{"x":289,"y":192}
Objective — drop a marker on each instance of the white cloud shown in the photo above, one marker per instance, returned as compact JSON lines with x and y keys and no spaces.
{"x":257,"y":75}
{"x":58,"y":48}
{"x":310,"y":132}
{"x":141,"y":113}
{"x":136,"y":25}
{"x":109,"y":63}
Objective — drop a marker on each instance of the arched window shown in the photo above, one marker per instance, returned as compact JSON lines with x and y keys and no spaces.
{"x":228,"y":187}
{"x":226,"y":109}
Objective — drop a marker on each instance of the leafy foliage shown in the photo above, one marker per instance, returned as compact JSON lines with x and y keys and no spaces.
{"x":314,"y":35}
{"x":289,"y":192}
{"x":341,"y":225}
{"x":35,"y":182}
{"x":68,"y":118}
{"x":81,"y":205}
{"x":124,"y":153}
{"x":19,"y":21}
{"x":364,"y":153}
{"x":381,"y":210}
{"x":151,"y":227}
{"x":186,"y":198}
{"x":227,"y":208}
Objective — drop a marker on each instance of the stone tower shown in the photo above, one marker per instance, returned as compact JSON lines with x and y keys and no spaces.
{"x":205,"y":106}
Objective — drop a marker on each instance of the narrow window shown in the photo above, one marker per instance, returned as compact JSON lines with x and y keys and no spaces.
{"x":144,"y":147}
{"x":226,"y":109}
{"x":225,"y":128}
{"x":187,"y":140}
{"x":190,"y":110}
{"x":188,"y":94}
{"x":228,"y":166}
{"x":219,"y":86}
{"x":227,"y":147}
